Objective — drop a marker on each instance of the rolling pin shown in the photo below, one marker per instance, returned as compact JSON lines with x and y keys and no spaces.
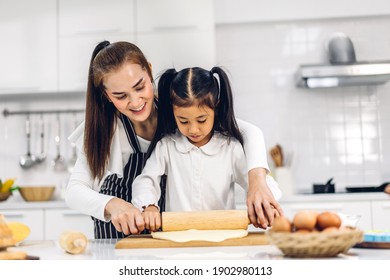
{"x":205,"y":220}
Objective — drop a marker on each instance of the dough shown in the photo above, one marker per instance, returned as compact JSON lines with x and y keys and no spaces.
{"x":200,"y":235}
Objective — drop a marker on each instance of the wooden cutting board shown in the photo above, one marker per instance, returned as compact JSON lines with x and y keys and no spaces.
{"x":253,"y":238}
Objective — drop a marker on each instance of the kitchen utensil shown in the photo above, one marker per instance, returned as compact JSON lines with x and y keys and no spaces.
{"x":146,"y":241}
{"x":328,"y":187}
{"x":205,"y":220}
{"x":42,"y":156}
{"x":4,"y":195}
{"x":37,"y":193}
{"x":59,"y":163}
{"x":277,"y":155}
{"x":73,"y":159}
{"x":201,"y":220}
{"x":28,"y":160}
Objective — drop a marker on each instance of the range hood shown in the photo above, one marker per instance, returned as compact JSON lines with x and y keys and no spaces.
{"x":343,"y":69}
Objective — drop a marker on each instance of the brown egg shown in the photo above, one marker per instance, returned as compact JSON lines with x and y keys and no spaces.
{"x":328,"y":219}
{"x":281,"y":223}
{"x":330,"y":229}
{"x":305,"y":219}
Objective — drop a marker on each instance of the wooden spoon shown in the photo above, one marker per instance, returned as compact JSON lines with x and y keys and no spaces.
{"x":277,"y":155}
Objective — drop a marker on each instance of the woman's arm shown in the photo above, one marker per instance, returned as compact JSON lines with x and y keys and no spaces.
{"x":261,"y":200}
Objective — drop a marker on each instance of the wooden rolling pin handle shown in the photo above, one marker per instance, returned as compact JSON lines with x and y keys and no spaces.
{"x":205,"y":220}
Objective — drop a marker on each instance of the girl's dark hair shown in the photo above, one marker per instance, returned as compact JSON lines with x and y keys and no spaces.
{"x":100,"y":114}
{"x":195,"y":86}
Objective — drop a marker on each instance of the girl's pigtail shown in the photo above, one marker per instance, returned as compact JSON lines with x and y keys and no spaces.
{"x":165,"y":121}
{"x":225,"y":119}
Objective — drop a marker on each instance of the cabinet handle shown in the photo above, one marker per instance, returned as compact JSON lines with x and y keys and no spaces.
{"x":14,"y":215}
{"x":72,"y":214}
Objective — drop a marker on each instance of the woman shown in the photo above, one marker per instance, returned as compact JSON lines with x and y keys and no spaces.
{"x":120,"y":122}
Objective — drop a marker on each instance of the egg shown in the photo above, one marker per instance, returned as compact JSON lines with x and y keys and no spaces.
{"x":331,"y":229}
{"x":303,"y":231}
{"x":282,"y":224}
{"x":305,"y":219}
{"x":328,"y":219}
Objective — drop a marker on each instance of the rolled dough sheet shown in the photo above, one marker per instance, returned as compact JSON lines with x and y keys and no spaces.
{"x":200,"y":235}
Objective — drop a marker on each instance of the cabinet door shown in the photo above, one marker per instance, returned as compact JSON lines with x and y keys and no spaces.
{"x":178,"y":49}
{"x":59,"y":220}
{"x":32,"y":218}
{"x":28,"y":49}
{"x":381,"y":215}
{"x":78,"y":18}
{"x":156,"y":15}
{"x":75,"y":55}
{"x":362,"y":209}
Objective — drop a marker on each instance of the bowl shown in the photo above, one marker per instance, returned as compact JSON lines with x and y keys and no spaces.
{"x":36,"y":193}
{"x":4,"y":195}
{"x":315,"y":244}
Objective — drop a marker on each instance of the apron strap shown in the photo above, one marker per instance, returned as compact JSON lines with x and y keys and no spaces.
{"x":130,"y":132}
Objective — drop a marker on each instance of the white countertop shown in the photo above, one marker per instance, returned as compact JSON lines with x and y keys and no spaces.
{"x":105,"y":250}
{"x":323,"y":197}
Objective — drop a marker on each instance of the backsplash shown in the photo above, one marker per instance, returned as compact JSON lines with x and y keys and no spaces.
{"x":13,"y":141}
{"x":342,"y":133}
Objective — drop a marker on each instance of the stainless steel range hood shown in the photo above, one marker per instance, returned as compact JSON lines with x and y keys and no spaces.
{"x":342,"y":69}
{"x":330,"y":75}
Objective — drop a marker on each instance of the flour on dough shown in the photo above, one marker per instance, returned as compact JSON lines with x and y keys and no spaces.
{"x":200,"y":235}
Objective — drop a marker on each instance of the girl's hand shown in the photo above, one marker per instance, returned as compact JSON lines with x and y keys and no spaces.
{"x":262,"y":206}
{"x":152,"y":218}
{"x":125,"y":216}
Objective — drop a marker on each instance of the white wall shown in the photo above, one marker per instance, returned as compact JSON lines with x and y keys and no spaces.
{"x":342,"y":132}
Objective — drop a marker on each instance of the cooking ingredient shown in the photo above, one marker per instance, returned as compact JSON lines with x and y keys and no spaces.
{"x":6,"y":239}
{"x":7,"y":185}
{"x":328,"y":219}
{"x":73,"y":242}
{"x":331,"y":229}
{"x":19,"y":231}
{"x":281,"y":224}
{"x":305,"y":219}
{"x":303,"y":231}
{"x":200,"y":235}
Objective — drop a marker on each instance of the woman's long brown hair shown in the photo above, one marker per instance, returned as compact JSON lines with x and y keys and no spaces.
{"x":100,"y":114}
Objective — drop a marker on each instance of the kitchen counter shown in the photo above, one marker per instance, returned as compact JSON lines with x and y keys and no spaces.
{"x":105,"y":250}
{"x":336,"y":197}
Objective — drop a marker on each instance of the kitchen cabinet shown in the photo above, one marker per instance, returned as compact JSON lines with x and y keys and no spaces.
{"x":232,"y":11}
{"x":49,"y":223}
{"x":33,"y":218}
{"x":28,"y":49}
{"x":82,"y":25}
{"x":176,"y":33}
{"x":59,"y":220}
{"x":381,"y":215}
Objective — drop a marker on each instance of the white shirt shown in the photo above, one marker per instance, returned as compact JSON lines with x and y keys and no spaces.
{"x":197,"y":178}
{"x":82,"y":192}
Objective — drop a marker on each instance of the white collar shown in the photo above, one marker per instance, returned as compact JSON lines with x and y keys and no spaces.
{"x":183,"y":145}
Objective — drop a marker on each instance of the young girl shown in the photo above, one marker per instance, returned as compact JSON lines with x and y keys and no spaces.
{"x":201,"y":148}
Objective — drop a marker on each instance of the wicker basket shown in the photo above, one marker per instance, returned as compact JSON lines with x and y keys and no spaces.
{"x":4,"y":195}
{"x":315,"y":244}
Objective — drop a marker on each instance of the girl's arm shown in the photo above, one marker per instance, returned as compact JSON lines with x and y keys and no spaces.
{"x":146,"y":187}
{"x":261,"y":199}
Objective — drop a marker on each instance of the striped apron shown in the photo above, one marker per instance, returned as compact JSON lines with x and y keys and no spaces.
{"x":121,"y":186}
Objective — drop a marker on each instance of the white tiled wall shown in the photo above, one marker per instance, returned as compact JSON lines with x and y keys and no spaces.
{"x":13,"y":143}
{"x":341,"y":132}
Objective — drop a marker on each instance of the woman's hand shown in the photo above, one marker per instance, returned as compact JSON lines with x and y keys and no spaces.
{"x":152,"y":218}
{"x":262,"y":206}
{"x":125,"y":216}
